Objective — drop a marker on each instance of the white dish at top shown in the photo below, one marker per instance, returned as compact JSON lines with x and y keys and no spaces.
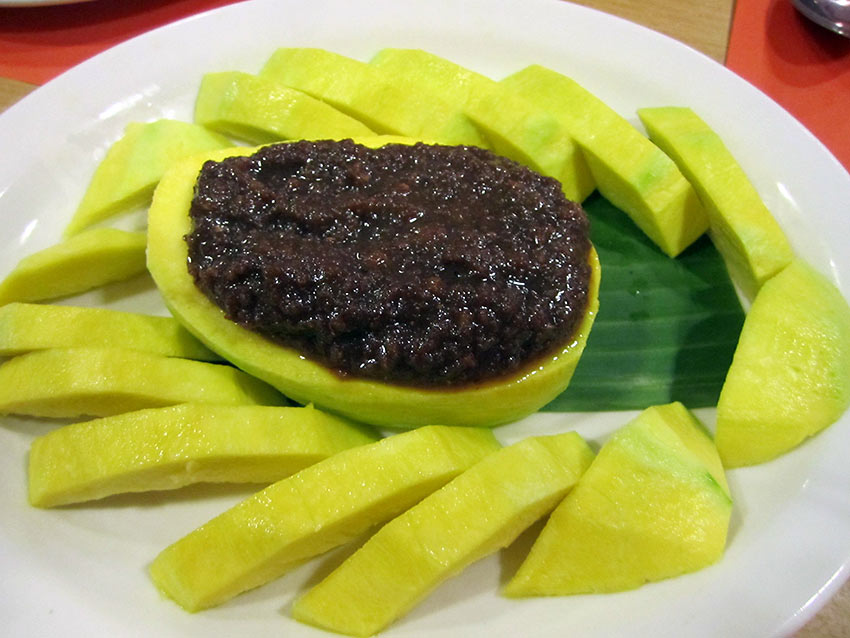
{"x":80,"y":571}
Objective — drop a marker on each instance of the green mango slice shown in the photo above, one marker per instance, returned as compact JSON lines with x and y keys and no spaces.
{"x":85,"y":261}
{"x":654,"y":504}
{"x":511,"y":125}
{"x":369,"y":95}
{"x":741,"y":226}
{"x":630,"y":171}
{"x":317,"y":509}
{"x":168,"y":448}
{"x":790,"y":377}
{"x":485,"y":404}
{"x":666,"y":329}
{"x":479,"y":512}
{"x":25,"y":327}
{"x":258,"y":110}
{"x":133,"y":165}
{"x":74,"y":382}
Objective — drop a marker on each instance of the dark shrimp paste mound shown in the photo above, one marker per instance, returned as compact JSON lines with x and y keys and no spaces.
{"x":422,"y":265}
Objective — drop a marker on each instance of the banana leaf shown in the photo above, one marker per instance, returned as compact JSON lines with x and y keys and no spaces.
{"x":666,"y":329}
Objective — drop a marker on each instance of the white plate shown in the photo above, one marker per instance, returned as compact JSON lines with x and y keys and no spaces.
{"x":81,"y":571}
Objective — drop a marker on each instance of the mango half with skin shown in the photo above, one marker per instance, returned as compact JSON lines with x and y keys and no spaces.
{"x":484,"y":404}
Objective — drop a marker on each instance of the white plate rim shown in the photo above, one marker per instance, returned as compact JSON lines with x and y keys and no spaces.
{"x":768,"y":141}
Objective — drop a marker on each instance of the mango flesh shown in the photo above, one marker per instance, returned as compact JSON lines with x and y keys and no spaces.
{"x":168,"y":448}
{"x":26,"y":327}
{"x":320,"y":507}
{"x":790,"y":376}
{"x":133,"y":165}
{"x":73,"y":382}
{"x":476,"y":514}
{"x":258,"y":110}
{"x":511,"y":125}
{"x":629,"y":170}
{"x":486,"y":404}
{"x":83,"y":262}
{"x":652,"y":505}
{"x":743,"y":229}
{"x":369,"y":95}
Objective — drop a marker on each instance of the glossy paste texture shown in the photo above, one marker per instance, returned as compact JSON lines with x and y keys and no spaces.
{"x":424,"y":264}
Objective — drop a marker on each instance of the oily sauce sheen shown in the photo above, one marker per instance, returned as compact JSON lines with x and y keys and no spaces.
{"x":422,"y":265}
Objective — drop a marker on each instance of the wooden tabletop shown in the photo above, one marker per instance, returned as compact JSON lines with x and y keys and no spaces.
{"x":703,"y":25}
{"x":12,"y":90}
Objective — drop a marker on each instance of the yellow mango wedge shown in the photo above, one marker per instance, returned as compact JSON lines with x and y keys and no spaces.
{"x":133,"y":165}
{"x":629,"y":170}
{"x":369,"y":95}
{"x":317,"y":509}
{"x":25,"y":327}
{"x":485,"y":404}
{"x":86,"y":261}
{"x":168,"y":448}
{"x":790,"y":376}
{"x":476,"y":514}
{"x":740,"y":224}
{"x":653,"y":504}
{"x":510,"y":124}
{"x":73,"y":382}
{"x":259,"y":111}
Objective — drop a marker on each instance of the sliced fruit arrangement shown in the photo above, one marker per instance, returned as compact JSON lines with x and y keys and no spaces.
{"x":790,"y":377}
{"x":651,"y":365}
{"x":258,"y":110}
{"x":653,"y":504}
{"x":481,"y":511}
{"x":369,"y":95}
{"x":73,"y":382}
{"x":510,"y":124}
{"x":317,"y":509}
{"x":630,"y":171}
{"x":168,"y":448}
{"x":26,"y":327}
{"x":741,"y":226}
{"x":133,"y":165}
{"x":88,"y":260}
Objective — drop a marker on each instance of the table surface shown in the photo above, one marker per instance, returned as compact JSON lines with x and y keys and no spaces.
{"x":705,"y":26}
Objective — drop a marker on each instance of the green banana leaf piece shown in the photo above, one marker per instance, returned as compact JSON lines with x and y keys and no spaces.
{"x":666,"y":329}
